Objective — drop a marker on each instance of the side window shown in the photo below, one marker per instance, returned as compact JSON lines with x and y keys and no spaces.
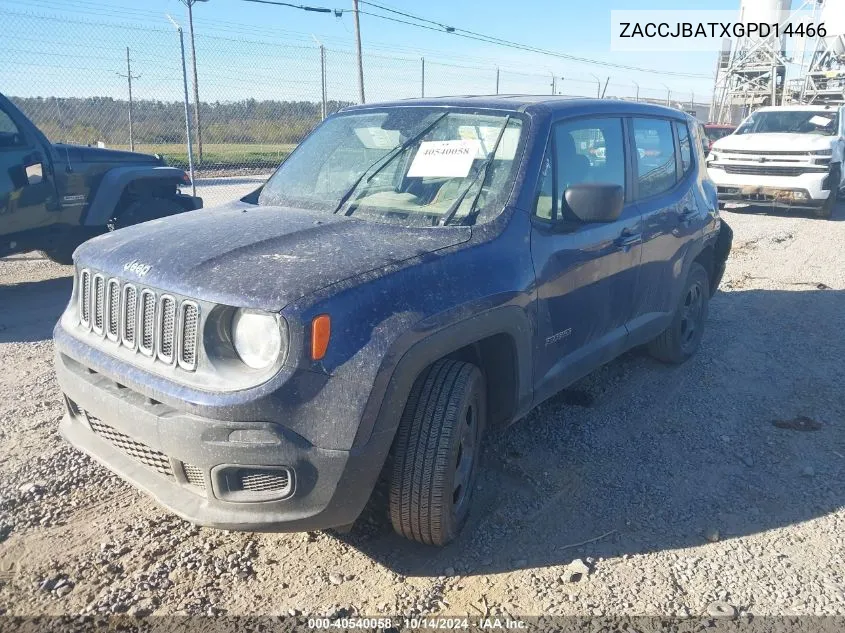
{"x":584,"y":150}
{"x":10,"y":135}
{"x":686,"y":148}
{"x":655,"y":156}
{"x":545,"y":197}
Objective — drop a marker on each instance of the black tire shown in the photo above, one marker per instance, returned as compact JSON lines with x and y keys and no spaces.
{"x":681,"y":339}
{"x":62,"y":253}
{"x":825,"y":212}
{"x":144,"y":210}
{"x":435,"y":453}
{"x":61,"y":246}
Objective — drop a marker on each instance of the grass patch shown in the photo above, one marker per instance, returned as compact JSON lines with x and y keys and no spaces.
{"x":220,"y":155}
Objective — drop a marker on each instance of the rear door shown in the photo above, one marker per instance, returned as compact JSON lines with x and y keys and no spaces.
{"x":673,"y":209}
{"x":25,"y":187}
{"x":586,"y":276}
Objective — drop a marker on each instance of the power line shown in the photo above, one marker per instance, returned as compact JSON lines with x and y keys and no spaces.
{"x":438,"y":26}
{"x":303,"y":7}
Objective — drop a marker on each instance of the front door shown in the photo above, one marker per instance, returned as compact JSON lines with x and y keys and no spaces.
{"x":586,"y":276}
{"x":26,"y":191}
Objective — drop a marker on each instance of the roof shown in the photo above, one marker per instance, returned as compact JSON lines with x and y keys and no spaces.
{"x":530,"y":103}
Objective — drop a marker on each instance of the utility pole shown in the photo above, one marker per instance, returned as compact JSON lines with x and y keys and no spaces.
{"x":422,"y":83}
{"x":197,"y":127}
{"x":129,"y":77}
{"x":638,"y":89}
{"x":358,"y":50}
{"x":554,"y":83}
{"x":497,"y":80}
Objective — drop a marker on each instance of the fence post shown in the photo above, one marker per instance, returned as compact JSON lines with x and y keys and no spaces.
{"x":422,"y":77}
{"x":187,"y":111}
{"x":129,"y":79}
{"x":325,"y":109}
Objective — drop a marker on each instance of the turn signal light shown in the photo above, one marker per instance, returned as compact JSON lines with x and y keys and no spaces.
{"x":321,"y":331}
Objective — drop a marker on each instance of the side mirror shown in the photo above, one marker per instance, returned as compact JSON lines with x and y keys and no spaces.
{"x":595,"y":202}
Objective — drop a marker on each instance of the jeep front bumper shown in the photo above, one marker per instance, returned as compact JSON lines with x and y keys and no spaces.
{"x":255,"y":476}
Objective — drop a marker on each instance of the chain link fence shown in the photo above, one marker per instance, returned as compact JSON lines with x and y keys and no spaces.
{"x":258,"y":96}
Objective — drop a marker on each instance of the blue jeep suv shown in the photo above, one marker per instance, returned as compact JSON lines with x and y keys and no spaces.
{"x":415,"y":275}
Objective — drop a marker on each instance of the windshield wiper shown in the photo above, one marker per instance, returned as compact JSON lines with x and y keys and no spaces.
{"x":387,"y":158}
{"x":482,"y":171}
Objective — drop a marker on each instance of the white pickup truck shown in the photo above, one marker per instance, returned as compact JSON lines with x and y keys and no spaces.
{"x":785,"y":157}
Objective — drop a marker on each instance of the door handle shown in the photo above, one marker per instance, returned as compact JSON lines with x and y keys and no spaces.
{"x":687,"y":215}
{"x":628,"y":239}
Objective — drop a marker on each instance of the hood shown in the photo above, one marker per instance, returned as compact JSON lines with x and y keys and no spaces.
{"x":257,"y":257}
{"x":769,"y":142}
{"x":87,"y":154}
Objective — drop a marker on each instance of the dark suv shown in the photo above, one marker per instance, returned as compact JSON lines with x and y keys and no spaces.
{"x":55,"y":196}
{"x":413,"y":276}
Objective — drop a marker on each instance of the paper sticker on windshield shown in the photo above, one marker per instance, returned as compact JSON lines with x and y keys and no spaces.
{"x":820,"y":121}
{"x":444,"y":159}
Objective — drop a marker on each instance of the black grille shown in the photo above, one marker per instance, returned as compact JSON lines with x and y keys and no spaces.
{"x":99,"y":303}
{"x":765,"y":170}
{"x":263,"y":480}
{"x":129,"y":315}
{"x":147,"y":322}
{"x":194,"y":475}
{"x":167,"y":330}
{"x":113,"y":321}
{"x":188,"y":347}
{"x":85,"y":298}
{"x":160,"y":326}
{"x":136,"y":450}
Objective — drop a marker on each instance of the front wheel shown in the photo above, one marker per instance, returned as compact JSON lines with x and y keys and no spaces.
{"x":62,"y":253}
{"x":681,"y":339}
{"x":435,"y":454}
{"x":144,"y":210}
{"x":825,"y":212}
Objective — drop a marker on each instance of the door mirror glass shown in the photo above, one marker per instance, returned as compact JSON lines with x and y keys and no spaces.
{"x":34,"y":174}
{"x":595,"y":202}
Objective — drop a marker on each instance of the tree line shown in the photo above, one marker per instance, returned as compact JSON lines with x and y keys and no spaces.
{"x":92,"y":119}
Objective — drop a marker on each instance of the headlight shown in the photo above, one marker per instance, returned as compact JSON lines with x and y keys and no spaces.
{"x":258,"y":337}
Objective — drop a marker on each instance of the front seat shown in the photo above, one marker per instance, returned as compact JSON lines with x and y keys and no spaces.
{"x":572,"y":170}
{"x":572,"y":166}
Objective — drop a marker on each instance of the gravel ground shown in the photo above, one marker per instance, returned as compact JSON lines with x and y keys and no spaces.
{"x":645,"y":489}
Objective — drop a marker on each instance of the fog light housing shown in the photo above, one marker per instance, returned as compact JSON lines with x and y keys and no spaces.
{"x":252,"y":484}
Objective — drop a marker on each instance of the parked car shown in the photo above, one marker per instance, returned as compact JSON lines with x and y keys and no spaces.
{"x":55,"y":196}
{"x":714,"y":131}
{"x":415,"y":275}
{"x":782,"y":157}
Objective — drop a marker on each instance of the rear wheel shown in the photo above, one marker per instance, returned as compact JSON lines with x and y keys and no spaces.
{"x":435,"y":454}
{"x":681,"y":339}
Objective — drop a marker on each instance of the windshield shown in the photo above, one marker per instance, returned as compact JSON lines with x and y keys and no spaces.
{"x":715,"y":133}
{"x":413,"y":166}
{"x":791,"y":121}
